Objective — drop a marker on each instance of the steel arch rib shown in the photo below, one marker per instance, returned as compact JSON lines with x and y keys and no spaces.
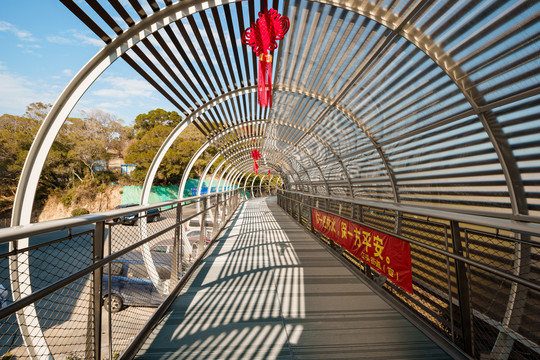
{"x":220,"y":153}
{"x":34,"y":164}
{"x":242,"y":154}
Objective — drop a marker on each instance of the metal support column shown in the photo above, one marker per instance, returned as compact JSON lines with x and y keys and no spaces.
{"x":178,"y":247}
{"x":97,"y":254}
{"x":463,"y":290}
{"x":202,"y":235}
{"x":299,"y":214}
{"x":216,"y":214}
{"x":224,"y":199}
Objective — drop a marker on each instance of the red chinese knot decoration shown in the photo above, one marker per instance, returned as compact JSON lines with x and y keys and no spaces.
{"x":262,"y":37}
{"x":256,"y":156}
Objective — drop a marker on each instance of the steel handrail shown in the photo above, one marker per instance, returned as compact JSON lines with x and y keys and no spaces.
{"x":24,"y":231}
{"x":493,"y":220}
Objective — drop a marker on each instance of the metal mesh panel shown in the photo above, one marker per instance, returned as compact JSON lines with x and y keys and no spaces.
{"x":66,"y":319}
{"x":383,"y":219}
{"x":497,"y":301}
{"x":64,"y":311}
{"x":51,"y":258}
{"x":502,"y":323}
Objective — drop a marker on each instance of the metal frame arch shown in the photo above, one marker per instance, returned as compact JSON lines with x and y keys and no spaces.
{"x":188,"y":168}
{"x":304,"y":151}
{"x":253,"y":183}
{"x":401,"y":27}
{"x":260,"y":184}
{"x":212,"y":161}
{"x":245,"y":183}
{"x":324,"y":143}
{"x":221,"y":175}
{"x":244,"y":157}
{"x":347,"y":114}
{"x":33,"y":166}
{"x":78,"y":86}
{"x":152,"y":170}
{"x":235,"y":178}
{"x":242,"y":150}
{"x":246,"y":161}
{"x":228,"y":179}
{"x":201,"y":151}
{"x":245,"y":165}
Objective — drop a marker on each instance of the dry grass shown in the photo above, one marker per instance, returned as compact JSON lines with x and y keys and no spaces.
{"x":91,"y":200}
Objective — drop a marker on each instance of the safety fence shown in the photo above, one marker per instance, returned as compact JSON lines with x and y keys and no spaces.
{"x":85,"y":287}
{"x":475,"y":280}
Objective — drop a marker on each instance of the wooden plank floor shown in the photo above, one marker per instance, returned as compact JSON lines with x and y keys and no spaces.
{"x":269,"y":290}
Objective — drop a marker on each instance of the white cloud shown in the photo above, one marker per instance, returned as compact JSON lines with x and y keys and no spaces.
{"x":89,"y":40}
{"x":74,"y":37}
{"x":68,"y":72}
{"x":20,"y":34}
{"x":123,"y":88}
{"x":59,"y":40}
{"x":16,"y":93}
{"x":29,"y":48}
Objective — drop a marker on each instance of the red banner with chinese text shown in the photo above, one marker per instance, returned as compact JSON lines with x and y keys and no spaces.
{"x":384,"y":253}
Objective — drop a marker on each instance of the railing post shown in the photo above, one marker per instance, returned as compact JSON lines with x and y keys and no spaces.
{"x":463,"y":290}
{"x":311,"y":207}
{"x":299,"y":215}
{"x":97,"y":254}
{"x":178,"y":247}
{"x":224,"y":198}
{"x":216,"y":214}
{"x":202,"y":235}
{"x":229,"y":205}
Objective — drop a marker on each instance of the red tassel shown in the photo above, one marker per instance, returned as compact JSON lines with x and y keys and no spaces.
{"x":262,"y":36}
{"x":262,"y":81}
{"x":269,"y":82}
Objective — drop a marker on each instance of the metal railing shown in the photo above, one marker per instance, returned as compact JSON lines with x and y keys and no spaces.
{"x":476,"y":280}
{"x":85,"y":287}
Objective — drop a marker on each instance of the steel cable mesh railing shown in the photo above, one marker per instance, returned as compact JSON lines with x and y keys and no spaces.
{"x":66,"y":319}
{"x":50,"y":259}
{"x":481,"y":311}
{"x":90,"y":291}
{"x":501,"y":304}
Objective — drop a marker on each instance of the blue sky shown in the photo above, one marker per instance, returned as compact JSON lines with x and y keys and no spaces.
{"x":43,"y":45}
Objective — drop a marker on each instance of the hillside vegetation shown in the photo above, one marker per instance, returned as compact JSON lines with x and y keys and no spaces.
{"x":77,"y":173}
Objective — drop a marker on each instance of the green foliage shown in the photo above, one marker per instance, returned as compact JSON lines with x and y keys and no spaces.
{"x":70,"y":170}
{"x":79,"y":212}
{"x":154,"y":118}
{"x":7,"y":356}
{"x":151,"y":130}
{"x":67,"y":199}
{"x":106,"y":177}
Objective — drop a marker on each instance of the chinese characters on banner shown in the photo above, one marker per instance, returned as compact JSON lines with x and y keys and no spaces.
{"x":384,"y":253}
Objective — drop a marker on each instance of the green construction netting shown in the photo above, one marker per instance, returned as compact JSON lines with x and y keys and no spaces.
{"x":132,"y":194}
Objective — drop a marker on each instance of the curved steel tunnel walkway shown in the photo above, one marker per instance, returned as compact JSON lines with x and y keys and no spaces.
{"x":269,"y":290}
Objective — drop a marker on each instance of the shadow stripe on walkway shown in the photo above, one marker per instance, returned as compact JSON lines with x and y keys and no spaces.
{"x":269,"y":290}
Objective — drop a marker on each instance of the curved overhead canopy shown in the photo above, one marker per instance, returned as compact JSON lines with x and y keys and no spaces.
{"x":432,"y":103}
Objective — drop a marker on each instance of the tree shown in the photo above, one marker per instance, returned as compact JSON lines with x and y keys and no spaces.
{"x":87,"y":144}
{"x":151,"y":130}
{"x":37,"y":111}
{"x":146,"y":122}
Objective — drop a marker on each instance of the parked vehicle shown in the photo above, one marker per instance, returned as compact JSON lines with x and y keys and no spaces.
{"x":130,"y":283}
{"x":131,"y":219}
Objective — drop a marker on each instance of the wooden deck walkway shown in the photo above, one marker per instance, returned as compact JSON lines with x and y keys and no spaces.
{"x":269,"y":290}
